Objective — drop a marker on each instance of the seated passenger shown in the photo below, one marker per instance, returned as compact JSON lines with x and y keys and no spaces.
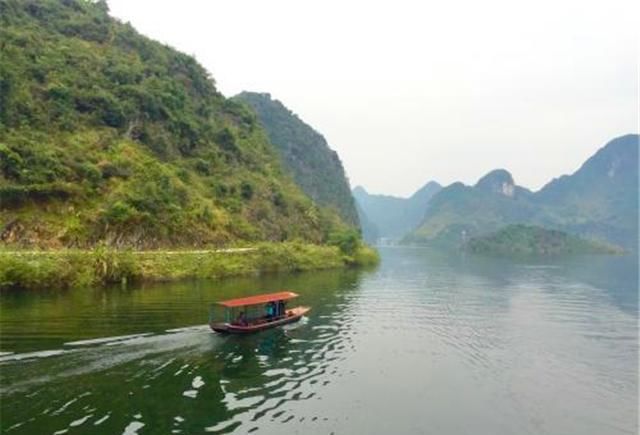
{"x":242,"y":319}
{"x":271,"y":310}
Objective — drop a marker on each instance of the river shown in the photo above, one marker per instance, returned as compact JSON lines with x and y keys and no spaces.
{"x":427,"y":343}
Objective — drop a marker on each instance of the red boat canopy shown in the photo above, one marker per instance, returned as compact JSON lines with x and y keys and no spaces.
{"x":258,"y":299}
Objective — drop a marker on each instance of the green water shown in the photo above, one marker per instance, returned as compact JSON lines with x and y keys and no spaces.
{"x":426,"y":343}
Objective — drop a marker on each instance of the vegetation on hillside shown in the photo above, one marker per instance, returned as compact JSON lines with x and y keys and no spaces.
{"x":533,"y":240}
{"x":108,"y":136}
{"x":599,"y":200}
{"x":306,"y":154}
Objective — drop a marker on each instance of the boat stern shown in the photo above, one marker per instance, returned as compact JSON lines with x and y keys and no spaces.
{"x":219,"y":327}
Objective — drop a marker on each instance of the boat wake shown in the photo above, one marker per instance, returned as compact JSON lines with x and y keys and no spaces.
{"x":86,"y":356}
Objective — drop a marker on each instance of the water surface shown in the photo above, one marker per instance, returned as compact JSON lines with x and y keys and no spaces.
{"x":427,"y":343}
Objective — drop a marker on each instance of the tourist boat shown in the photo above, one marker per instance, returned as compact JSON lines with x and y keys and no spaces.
{"x":255,"y":313}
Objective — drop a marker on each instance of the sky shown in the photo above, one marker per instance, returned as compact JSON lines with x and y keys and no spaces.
{"x":412,"y":91}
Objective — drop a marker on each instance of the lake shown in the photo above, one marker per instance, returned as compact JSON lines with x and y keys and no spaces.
{"x":428,"y":343}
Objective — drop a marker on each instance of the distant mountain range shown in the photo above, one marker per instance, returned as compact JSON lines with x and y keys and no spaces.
{"x":390,"y":216}
{"x":304,"y":152}
{"x":599,"y":201}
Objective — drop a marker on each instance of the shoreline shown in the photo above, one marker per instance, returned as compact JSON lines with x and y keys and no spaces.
{"x":101,"y":267}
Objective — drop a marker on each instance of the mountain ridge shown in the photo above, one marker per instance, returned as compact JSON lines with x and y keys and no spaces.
{"x":597,"y":201}
{"x":305,"y":152}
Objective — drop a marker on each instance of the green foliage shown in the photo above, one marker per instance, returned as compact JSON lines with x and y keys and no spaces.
{"x":459,"y":212}
{"x":305,"y":154}
{"x":72,"y":65}
{"x":113,"y":266}
{"x":108,"y":136}
{"x":12,"y":195}
{"x":120,"y":213}
{"x":34,"y":273}
{"x":348,"y":241}
{"x":64,"y":269}
{"x":532,"y":240}
{"x":600,"y":200}
{"x":246,"y":190}
{"x":354,"y":251}
{"x":365,"y":256}
{"x":102,"y":266}
{"x":10,"y":162}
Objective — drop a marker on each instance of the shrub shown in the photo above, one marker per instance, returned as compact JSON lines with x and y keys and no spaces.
{"x":202,"y":166}
{"x":14,"y":195}
{"x":90,"y":172}
{"x":113,"y":266}
{"x":246,"y":190}
{"x":103,"y":105}
{"x":120,"y":212}
{"x":10,"y":162}
{"x":348,"y":241}
{"x":115,"y":169}
{"x":227,"y":141}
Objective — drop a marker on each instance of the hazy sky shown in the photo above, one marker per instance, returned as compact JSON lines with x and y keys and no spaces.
{"x":408,"y":92}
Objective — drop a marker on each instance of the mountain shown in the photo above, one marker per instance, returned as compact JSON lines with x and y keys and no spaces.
{"x":500,"y":181}
{"x":599,"y":201}
{"x":316,"y":168}
{"x":459,"y":211}
{"x":109,"y":137}
{"x":421,"y":197}
{"x":370,"y":232}
{"x":394,"y":217}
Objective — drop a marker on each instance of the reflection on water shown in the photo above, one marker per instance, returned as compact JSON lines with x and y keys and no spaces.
{"x":428,"y":343}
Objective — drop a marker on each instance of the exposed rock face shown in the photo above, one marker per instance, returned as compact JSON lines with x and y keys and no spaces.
{"x":497,"y":181}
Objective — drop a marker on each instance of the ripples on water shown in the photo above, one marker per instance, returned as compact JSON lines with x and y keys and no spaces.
{"x":172,"y":381}
{"x":181,"y":380}
{"x":425,"y":344}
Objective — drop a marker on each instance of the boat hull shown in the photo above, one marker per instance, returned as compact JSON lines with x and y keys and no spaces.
{"x":293,"y":315}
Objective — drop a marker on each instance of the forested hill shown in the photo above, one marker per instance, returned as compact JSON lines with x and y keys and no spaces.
{"x":601,"y":197}
{"x":305,"y":152}
{"x":108,"y":136}
{"x":533,"y":240}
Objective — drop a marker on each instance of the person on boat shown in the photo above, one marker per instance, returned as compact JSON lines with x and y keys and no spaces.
{"x":242,"y":319}
{"x":281,"y":308}
{"x":271,"y":310}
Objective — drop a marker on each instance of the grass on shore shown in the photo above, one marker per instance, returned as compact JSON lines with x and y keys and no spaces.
{"x":32,"y":270}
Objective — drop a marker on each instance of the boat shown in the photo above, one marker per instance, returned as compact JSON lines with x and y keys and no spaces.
{"x":255,"y":313}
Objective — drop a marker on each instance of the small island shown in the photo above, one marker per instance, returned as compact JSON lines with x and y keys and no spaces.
{"x":533,"y":240}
